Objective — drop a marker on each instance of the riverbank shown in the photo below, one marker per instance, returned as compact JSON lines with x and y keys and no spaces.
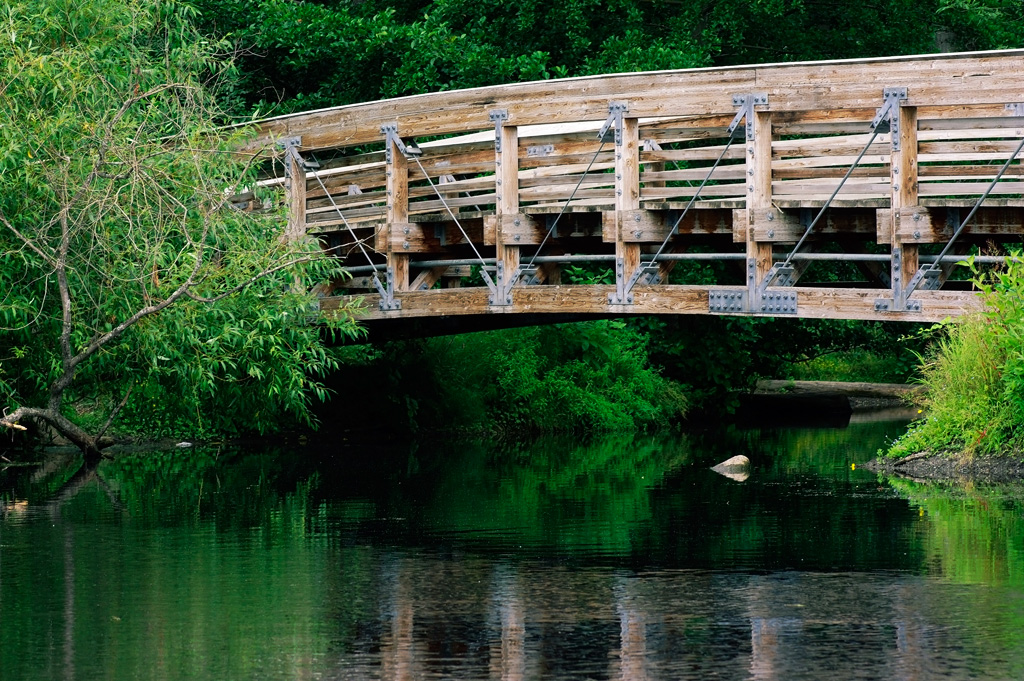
{"x":931,"y":467}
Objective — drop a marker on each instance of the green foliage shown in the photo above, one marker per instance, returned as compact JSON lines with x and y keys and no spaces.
{"x":125,"y":276}
{"x":975,"y":377}
{"x":586,"y":377}
{"x":302,"y":55}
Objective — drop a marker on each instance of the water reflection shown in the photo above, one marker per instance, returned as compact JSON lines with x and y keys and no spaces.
{"x":625,"y":558}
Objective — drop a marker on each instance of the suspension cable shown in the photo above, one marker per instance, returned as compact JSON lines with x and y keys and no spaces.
{"x":693,"y":199}
{"x":565,"y":207}
{"x":821,"y":212}
{"x":977,"y":205}
{"x":483,"y":272}
{"x":359,"y":242}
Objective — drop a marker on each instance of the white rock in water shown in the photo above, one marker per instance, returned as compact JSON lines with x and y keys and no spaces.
{"x":737,"y":468}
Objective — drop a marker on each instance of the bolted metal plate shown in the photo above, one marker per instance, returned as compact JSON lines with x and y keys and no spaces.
{"x":540,"y":150}
{"x":723,"y":302}
{"x":930,"y":280}
{"x":778,"y":302}
{"x":887,"y":305}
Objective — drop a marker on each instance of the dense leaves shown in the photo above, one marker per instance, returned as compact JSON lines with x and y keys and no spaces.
{"x":128,"y":279}
{"x":975,"y":377}
{"x":300,"y":55}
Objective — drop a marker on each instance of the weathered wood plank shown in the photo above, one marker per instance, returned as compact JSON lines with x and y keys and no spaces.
{"x":948,"y":80}
{"x":812,"y":303}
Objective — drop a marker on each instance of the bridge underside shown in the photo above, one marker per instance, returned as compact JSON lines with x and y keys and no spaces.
{"x":555,"y":304}
{"x":832,"y":190}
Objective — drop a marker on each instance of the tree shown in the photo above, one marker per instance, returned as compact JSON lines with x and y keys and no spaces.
{"x":129,"y":282}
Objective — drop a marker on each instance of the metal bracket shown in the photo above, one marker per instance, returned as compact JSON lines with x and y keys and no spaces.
{"x":650,"y":145}
{"x":498,"y":117}
{"x":900,"y":301}
{"x":727,"y":301}
{"x":775,"y":302}
{"x":390,"y":132}
{"x":291,"y":145}
{"x":746,"y":103}
{"x":388,"y":302}
{"x":779,"y":302}
{"x":887,"y":118}
{"x":615,"y":114}
{"x":537,"y":150}
{"x":758,"y":298}
{"x":1017,"y":108}
{"x":501,"y":296}
{"x":623,"y":294}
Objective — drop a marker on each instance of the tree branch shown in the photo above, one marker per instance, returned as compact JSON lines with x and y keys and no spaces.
{"x":249,"y":282}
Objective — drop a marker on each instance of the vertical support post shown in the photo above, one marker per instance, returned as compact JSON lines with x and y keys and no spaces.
{"x":759,"y":198}
{"x":296,"y":182}
{"x":627,"y":197}
{"x":506,"y":180}
{"x":903,"y":187}
{"x":397,"y":186}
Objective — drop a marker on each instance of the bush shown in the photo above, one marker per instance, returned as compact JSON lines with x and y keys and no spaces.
{"x":975,"y":377}
{"x":586,"y":377}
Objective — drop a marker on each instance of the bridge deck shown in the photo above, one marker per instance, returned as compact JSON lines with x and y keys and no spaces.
{"x":511,"y":191}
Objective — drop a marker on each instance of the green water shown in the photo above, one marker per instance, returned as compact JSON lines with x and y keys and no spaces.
{"x":622,"y":558}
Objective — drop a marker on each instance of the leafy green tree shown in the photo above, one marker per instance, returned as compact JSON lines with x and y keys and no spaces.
{"x":129,"y":282}
{"x":303,"y":55}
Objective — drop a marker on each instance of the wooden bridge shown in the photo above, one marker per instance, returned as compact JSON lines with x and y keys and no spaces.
{"x":843,"y":189}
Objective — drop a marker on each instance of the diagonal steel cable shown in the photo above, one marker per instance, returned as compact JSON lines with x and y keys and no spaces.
{"x":821,"y":212}
{"x":376,"y":281}
{"x":483,"y":272}
{"x":935,"y":265}
{"x":693,"y":199}
{"x":565,"y":207}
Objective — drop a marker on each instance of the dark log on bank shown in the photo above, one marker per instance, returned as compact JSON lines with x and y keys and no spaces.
{"x":894,"y":391}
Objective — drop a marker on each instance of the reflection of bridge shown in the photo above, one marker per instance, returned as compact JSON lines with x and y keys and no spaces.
{"x":830,"y":190}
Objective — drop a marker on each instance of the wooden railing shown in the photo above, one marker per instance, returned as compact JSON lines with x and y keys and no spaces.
{"x":506,"y":186}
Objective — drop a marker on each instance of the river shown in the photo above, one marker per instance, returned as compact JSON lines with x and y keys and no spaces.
{"x":619,"y":558}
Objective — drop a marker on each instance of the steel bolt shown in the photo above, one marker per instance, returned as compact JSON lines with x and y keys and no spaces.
{"x":771,"y":233}
{"x":637,"y":217}
{"x":917,"y":235}
{"x":770,"y":216}
{"x":637,"y":233}
{"x":516,"y":237}
{"x":516,"y":222}
{"x":405,"y":245}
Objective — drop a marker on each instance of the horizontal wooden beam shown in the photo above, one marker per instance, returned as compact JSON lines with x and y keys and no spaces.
{"x":932,"y":80}
{"x":812,"y":303}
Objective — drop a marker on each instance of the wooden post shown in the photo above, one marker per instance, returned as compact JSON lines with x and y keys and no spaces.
{"x":296,"y":182}
{"x":903,"y":186}
{"x":759,"y":190}
{"x":506,"y":178}
{"x":397,"y":185}
{"x":627,"y":193}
